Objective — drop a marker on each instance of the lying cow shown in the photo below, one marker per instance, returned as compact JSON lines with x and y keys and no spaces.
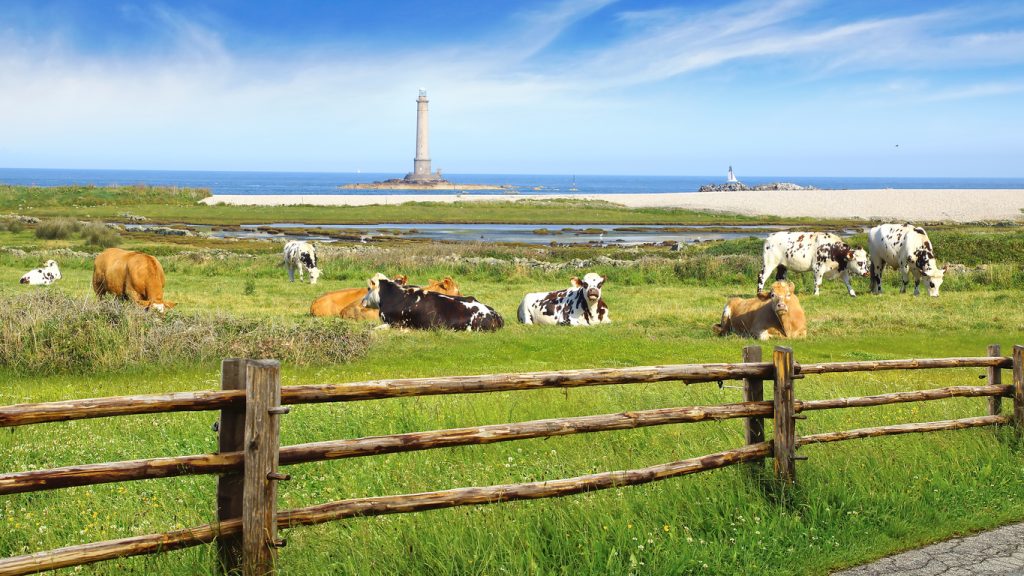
{"x":826,"y":255}
{"x":409,"y":307}
{"x":905,"y":247}
{"x":348,"y":303}
{"x":130,"y":275}
{"x":777,"y":313}
{"x":301,"y":255}
{"x":44,"y":276}
{"x":579,"y":305}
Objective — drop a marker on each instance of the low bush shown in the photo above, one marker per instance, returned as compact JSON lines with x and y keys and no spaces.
{"x":98,"y":234}
{"x":49,"y":332}
{"x":57,"y":228}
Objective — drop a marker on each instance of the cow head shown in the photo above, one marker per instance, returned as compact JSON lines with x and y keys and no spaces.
{"x":591,"y":286}
{"x":446,"y":286}
{"x":161,"y":307}
{"x":372,"y":298}
{"x":781,"y":295}
{"x":50,"y":264}
{"x":935,"y":276}
{"x":400,"y":279}
{"x":314,"y":273}
{"x":859,"y":263}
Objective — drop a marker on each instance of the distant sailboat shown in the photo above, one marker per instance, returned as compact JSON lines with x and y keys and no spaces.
{"x":732,"y":177}
{"x":573,"y":188}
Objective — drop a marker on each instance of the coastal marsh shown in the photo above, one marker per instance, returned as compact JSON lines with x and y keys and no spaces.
{"x":855,"y":501}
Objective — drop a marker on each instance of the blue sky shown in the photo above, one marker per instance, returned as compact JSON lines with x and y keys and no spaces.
{"x":790,"y":87}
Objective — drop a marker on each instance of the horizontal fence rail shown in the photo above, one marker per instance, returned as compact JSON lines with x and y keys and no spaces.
{"x":37,"y":413}
{"x":260,"y":518}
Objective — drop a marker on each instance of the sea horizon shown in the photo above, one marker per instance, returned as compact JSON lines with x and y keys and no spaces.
{"x":260,"y":183}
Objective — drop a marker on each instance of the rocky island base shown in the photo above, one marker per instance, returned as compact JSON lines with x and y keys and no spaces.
{"x":403,"y":184}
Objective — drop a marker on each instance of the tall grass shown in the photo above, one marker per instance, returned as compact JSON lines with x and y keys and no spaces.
{"x":49,"y":332}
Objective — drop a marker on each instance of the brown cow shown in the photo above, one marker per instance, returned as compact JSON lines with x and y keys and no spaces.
{"x":348,"y":303}
{"x":130,"y":275}
{"x":777,"y":313}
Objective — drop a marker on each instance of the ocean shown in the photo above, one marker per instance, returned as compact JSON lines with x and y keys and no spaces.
{"x":310,"y":183}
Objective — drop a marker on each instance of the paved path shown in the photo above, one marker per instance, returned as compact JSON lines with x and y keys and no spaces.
{"x":999,"y":552}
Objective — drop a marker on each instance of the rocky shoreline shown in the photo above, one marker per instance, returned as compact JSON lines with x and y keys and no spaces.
{"x":741,"y":187}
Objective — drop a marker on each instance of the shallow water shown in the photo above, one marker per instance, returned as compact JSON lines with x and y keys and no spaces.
{"x":513,"y":233}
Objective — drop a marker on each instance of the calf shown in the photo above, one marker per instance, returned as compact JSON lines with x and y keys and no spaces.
{"x":777,"y":313}
{"x":130,"y":275}
{"x":826,"y":255}
{"x":44,"y":276}
{"x":302,"y":256}
{"x":579,"y":305}
{"x":907,"y":248}
{"x":409,"y":307}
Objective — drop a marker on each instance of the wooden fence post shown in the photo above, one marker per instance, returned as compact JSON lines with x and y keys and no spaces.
{"x":784,"y":445}
{"x":995,"y":378}
{"x":1018,"y":387}
{"x":229,"y":485}
{"x":259,"y":496}
{"x":753,"y":391}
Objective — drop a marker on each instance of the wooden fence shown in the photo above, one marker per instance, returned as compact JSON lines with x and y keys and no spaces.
{"x":251,"y":404}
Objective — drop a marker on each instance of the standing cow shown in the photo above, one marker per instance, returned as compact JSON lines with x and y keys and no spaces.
{"x":130,"y":275}
{"x":410,"y":307}
{"x":905,"y":247}
{"x":301,"y":255}
{"x":579,"y":305}
{"x":826,"y":255}
{"x":44,"y":276}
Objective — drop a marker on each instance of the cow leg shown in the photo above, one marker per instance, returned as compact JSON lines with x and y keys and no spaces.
{"x":291,"y":273}
{"x":846,"y":280}
{"x":904,"y":278}
{"x":917,"y":282}
{"x":780,"y":272}
{"x":763,"y":276}
{"x":819,"y":273}
{"x":876,"y":276}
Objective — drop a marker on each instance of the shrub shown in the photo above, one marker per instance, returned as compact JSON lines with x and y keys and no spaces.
{"x":57,"y":228}
{"x":48,"y":332}
{"x":98,"y":234}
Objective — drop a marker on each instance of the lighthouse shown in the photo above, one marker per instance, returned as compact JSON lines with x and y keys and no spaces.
{"x":421,"y":163}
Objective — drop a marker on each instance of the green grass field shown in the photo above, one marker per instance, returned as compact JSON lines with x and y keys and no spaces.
{"x":854,"y":501}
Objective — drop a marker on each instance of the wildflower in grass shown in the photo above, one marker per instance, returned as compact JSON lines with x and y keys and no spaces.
{"x":666,"y":528}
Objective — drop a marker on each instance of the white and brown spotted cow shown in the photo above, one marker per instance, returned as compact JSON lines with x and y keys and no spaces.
{"x":413,"y":307}
{"x":44,"y":276}
{"x":825,"y":254}
{"x":905,"y":247}
{"x":301,"y":255}
{"x":580,"y":305}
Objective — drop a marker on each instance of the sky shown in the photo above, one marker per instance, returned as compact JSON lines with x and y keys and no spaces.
{"x":645,"y":87}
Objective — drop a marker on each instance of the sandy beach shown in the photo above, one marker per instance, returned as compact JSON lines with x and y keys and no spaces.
{"x":889,"y":204}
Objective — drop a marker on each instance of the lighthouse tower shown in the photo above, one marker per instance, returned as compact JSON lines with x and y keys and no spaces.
{"x":421,"y":163}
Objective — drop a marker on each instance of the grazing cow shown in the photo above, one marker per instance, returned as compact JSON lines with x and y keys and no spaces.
{"x":820,"y":252}
{"x":44,"y":276}
{"x":347,"y":303}
{"x":905,"y":247}
{"x":777,"y":313}
{"x":408,"y":307}
{"x":131,"y":275}
{"x":302,"y":256}
{"x":579,"y":305}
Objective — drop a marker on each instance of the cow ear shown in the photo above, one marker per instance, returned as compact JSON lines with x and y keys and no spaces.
{"x":372,"y":283}
{"x":765,"y":295}
{"x":169,"y":305}
{"x":575,"y":282}
{"x":447,"y":282}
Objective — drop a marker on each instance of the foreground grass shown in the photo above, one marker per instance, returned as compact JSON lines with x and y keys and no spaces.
{"x":854,"y":501}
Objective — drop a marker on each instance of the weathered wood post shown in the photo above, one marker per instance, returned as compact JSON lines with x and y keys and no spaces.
{"x":259,"y":496}
{"x":1018,"y":387}
{"x":753,"y":391}
{"x":784,"y":441}
{"x":995,"y":378}
{"x":229,"y":486}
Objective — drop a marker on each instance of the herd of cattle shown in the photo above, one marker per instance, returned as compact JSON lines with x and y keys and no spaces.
{"x":392,"y":301}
